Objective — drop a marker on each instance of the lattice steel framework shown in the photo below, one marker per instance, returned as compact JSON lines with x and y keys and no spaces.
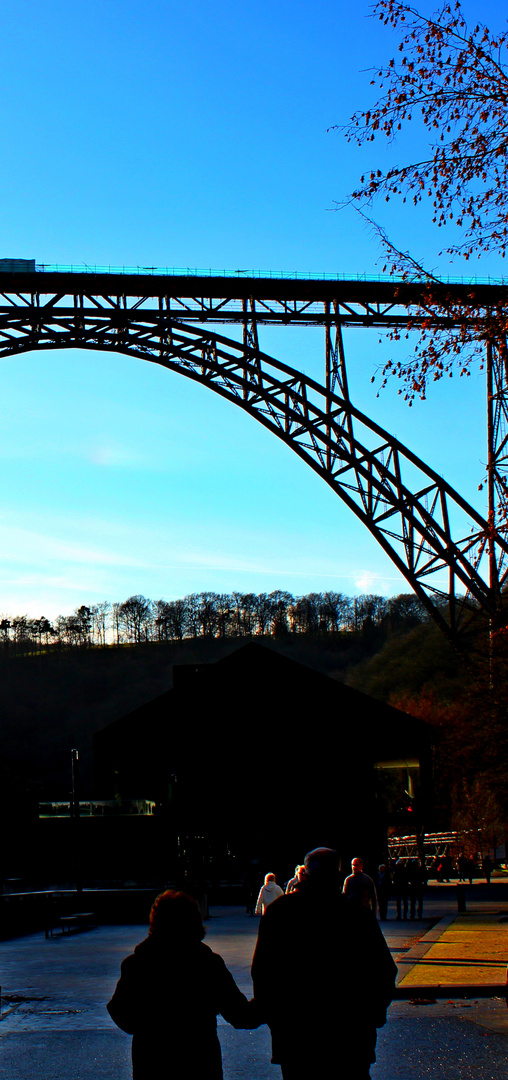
{"x":425,"y":527}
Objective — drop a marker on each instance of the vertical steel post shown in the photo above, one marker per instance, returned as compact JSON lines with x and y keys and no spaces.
{"x":339,"y":345}
{"x":250,"y":335}
{"x":491,"y":515}
{"x":75,"y":820}
{"x":335,"y":368}
{"x":491,"y":479}
{"x":328,"y":378}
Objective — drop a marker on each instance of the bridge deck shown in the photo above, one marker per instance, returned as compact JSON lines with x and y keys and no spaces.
{"x":307,"y":301}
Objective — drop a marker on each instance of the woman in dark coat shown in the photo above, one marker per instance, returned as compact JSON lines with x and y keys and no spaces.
{"x":169,"y":994}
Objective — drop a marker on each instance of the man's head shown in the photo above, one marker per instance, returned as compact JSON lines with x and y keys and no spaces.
{"x":321,"y":865}
{"x":357,"y":866}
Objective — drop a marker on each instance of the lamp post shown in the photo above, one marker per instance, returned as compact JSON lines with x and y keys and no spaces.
{"x":75,"y":836}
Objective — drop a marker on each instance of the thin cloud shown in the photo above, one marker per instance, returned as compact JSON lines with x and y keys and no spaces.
{"x":27,"y":545}
{"x":114,"y":455}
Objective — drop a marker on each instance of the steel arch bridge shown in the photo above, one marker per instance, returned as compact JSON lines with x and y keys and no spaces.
{"x":424,"y":526}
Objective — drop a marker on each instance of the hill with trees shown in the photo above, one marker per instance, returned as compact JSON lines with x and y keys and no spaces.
{"x":60,"y":685}
{"x":55,"y":695}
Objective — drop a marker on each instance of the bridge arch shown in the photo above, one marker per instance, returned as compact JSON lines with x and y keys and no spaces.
{"x":423,"y":525}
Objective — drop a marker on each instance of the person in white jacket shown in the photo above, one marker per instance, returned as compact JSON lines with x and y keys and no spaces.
{"x":268,"y":893}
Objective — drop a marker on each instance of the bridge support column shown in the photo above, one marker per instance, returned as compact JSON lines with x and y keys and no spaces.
{"x":497,"y":460}
{"x":250,"y":333}
{"x":336,"y":381}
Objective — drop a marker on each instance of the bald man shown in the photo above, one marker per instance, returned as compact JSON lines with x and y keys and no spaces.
{"x":360,"y":887}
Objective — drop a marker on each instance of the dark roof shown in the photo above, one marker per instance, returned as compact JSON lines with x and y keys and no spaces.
{"x":256,"y":685}
{"x":259,"y":751}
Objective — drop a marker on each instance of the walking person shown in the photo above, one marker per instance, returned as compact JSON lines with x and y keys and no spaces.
{"x":295,"y":881}
{"x":462,"y":866}
{"x":360,"y":887}
{"x":401,"y":887}
{"x":323,"y":977}
{"x":487,"y":867}
{"x":269,"y":892}
{"x":169,"y":994}
{"x":416,"y":884}
{"x":383,"y":890}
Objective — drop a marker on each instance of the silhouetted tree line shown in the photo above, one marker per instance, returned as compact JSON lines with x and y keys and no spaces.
{"x":213,"y":615}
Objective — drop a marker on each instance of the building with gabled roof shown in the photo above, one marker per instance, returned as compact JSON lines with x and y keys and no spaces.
{"x":259,"y":757}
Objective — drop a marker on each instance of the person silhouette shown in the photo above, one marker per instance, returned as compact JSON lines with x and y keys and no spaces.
{"x":269,"y":892}
{"x":295,"y":881}
{"x":323,"y":977}
{"x":171,"y":989}
{"x":360,"y":887}
{"x":383,"y":890}
{"x":401,"y":887}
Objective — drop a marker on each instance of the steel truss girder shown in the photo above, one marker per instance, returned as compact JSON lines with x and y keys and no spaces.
{"x":423,"y":525}
{"x":224,"y":299}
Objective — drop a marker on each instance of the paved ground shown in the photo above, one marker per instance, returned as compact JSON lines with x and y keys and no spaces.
{"x":55,"y":1027}
{"x":459,"y":953}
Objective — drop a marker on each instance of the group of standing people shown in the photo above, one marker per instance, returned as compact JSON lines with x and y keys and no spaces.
{"x":270,"y":891}
{"x":338,"y":980}
{"x":409,"y":880}
{"x":406,"y":886}
{"x":467,"y":868}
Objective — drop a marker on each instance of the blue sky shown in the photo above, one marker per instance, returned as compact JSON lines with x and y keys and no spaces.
{"x":177,"y":134}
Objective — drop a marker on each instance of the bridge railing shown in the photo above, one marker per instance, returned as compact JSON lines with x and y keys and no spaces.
{"x":288,"y":275}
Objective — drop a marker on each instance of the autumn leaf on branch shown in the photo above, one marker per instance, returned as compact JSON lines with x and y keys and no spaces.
{"x":452,"y":332}
{"x":453,"y":81}
{"x":456,"y":81}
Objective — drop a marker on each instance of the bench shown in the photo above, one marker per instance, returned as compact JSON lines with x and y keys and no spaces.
{"x":79,"y":920}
